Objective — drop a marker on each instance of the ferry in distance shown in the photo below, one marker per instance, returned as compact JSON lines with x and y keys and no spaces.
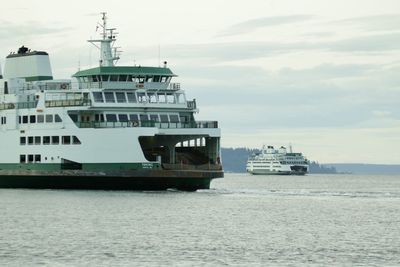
{"x":110,"y":127}
{"x":277,"y":162}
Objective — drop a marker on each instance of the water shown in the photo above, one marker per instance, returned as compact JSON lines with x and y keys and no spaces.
{"x":315,"y":220}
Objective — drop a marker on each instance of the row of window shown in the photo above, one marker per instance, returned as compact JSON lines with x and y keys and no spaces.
{"x":48,"y":118}
{"x":137,"y":97}
{"x":99,"y":117}
{"x":30,"y":158}
{"x":125,"y":78}
{"x":49,"y":140}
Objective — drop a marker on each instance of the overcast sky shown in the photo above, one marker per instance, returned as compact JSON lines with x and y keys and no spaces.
{"x":321,"y":75}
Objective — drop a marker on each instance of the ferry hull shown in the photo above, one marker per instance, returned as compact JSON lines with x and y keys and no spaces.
{"x":154,"y":180}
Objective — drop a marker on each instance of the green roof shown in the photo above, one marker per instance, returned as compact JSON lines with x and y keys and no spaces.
{"x":128,"y":70}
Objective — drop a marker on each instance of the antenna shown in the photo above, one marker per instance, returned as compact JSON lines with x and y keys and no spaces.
{"x":107,"y":57}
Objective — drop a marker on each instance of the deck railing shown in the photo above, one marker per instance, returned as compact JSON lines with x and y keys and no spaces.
{"x":161,"y":125}
{"x":68,"y":103}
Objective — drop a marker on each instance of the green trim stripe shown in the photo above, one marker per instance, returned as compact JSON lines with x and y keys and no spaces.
{"x":38,"y":78}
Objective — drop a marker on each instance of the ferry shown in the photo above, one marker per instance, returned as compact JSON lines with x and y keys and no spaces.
{"x":108,"y":127}
{"x":277,"y":162}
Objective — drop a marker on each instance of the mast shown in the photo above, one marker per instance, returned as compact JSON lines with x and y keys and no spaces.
{"x":107,"y":57}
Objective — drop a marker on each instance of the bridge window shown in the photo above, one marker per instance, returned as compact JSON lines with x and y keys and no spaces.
{"x":111,"y":117}
{"x":133,"y":117}
{"x":144,"y":117}
{"x":156,"y":79}
{"x":120,"y":97}
{"x":170,"y":98}
{"x":152,"y":97}
{"x":149,"y":79}
{"x":123,"y":117}
{"x":109,"y":96}
{"x":154,"y":117}
{"x":174,"y":118}
{"x":131,"y":97}
{"x":98,"y":97}
{"x":104,"y":78}
{"x":122,"y":78}
{"x":163,"y":79}
{"x":162,"y":98}
{"x":114,"y":78}
{"x":164,"y":118}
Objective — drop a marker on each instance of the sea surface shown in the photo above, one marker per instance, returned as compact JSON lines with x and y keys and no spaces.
{"x":313,"y":220}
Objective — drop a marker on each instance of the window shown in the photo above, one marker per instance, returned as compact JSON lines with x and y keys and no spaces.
{"x":122,"y":117}
{"x":133,"y":117}
{"x":142,"y":97}
{"x":149,"y":79}
{"x":19,"y":119}
{"x":75,"y":140}
{"x":163,"y":79}
{"x":154,"y":117}
{"x":66,"y":140}
{"x":156,"y":79}
{"x":122,"y":78}
{"x":174,"y":118}
{"x":32,"y":119}
{"x":30,"y":158}
{"x":109,"y":96}
{"x":37,"y":158}
{"x":162,"y":98}
{"x":152,"y":98}
{"x":144,"y":117}
{"x":131,"y":97}
{"x":57,"y":118}
{"x":104,"y":78}
{"x":181,"y":98}
{"x":49,"y":118}
{"x":22,"y":140}
{"x":40,"y":118}
{"x":55,"y":140}
{"x":46,"y":140}
{"x":170,"y":98}
{"x":111,"y":117}
{"x":95,"y":78}
{"x":24,"y":119}
{"x":164,"y":118}
{"x":22,"y":158}
{"x":30,"y":140}
{"x":120,"y":97}
{"x":98,"y":97}
{"x":74,"y":117}
{"x":113,"y":78}
{"x":37,"y":140}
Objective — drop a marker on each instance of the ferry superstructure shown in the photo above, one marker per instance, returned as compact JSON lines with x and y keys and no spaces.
{"x":277,"y":162}
{"x":116,"y":127}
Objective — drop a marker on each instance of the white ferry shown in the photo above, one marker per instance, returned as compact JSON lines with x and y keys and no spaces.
{"x":277,"y":161}
{"x":110,"y":127}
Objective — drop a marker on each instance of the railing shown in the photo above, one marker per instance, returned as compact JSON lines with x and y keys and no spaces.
{"x":68,"y":103}
{"x":210,"y":167}
{"x":130,"y":85}
{"x":160,"y":125}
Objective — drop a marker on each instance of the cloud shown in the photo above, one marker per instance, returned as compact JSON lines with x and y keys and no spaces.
{"x":27,"y":29}
{"x":254,"y":24}
{"x":383,"y":22}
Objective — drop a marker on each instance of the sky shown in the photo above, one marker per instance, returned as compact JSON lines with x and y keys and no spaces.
{"x":323,"y":76}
